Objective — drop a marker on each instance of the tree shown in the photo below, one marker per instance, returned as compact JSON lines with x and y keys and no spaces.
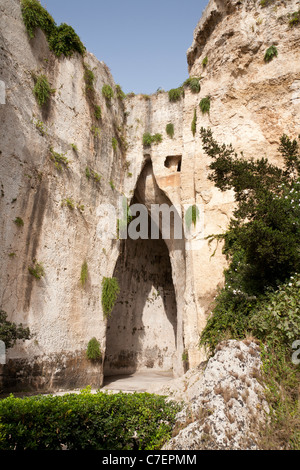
{"x":10,"y":332}
{"x":262,"y":239}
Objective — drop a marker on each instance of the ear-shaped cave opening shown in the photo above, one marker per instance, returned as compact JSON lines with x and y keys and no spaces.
{"x":142,"y":330}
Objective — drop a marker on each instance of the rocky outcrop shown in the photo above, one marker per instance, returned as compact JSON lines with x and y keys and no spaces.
{"x":225,"y":403}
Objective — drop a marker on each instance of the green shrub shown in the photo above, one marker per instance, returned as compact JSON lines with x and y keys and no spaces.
{"x":175,"y":94}
{"x":270,"y":54}
{"x":191,"y":216}
{"x":205,"y":62}
{"x":93,"y":352}
{"x":35,"y":16}
{"x":89,"y":78}
{"x":65,"y":41}
{"x":277,"y":316}
{"x":89,"y":173}
{"x":193,"y":84}
{"x":110,"y":292}
{"x":294,"y":19}
{"x":114,"y":143}
{"x":205,"y":105}
{"x":42,"y":90}
{"x":10,"y":332}
{"x":37,"y":270}
{"x":170,"y":130}
{"x":112,"y":184}
{"x":262,"y":239}
{"x":149,"y":139}
{"x":98,"y":112}
{"x":107,"y":92}
{"x":19,"y":221}
{"x":84,"y":273}
{"x":120,"y":93}
{"x":59,"y":159}
{"x":194,"y":123}
{"x":87,"y":421}
{"x":61,"y":39}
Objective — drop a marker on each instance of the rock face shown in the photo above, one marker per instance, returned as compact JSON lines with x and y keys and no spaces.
{"x":167,"y":287}
{"x":225,"y":402}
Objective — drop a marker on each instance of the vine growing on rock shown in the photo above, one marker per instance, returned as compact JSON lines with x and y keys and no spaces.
{"x":110,"y":292}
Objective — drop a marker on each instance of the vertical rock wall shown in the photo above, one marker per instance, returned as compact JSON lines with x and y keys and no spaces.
{"x":252,"y":104}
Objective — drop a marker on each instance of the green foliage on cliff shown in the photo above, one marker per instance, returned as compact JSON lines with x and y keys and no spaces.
{"x":149,"y":139}
{"x":170,"y":130}
{"x":10,"y":332}
{"x":42,"y":89}
{"x":194,"y":123}
{"x":205,"y":105}
{"x":107,"y":92}
{"x":175,"y":94}
{"x":193,"y":84}
{"x":110,"y":292}
{"x":271,"y":52}
{"x":262,"y":240}
{"x":261,"y":295}
{"x":84,"y":273}
{"x":61,"y":39}
{"x":87,"y":421}
{"x":93,"y":352}
{"x":37,"y":270}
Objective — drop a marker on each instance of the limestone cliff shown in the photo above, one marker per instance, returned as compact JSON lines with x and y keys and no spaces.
{"x":160,"y":312}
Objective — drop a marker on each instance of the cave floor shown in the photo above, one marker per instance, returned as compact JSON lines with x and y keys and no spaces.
{"x":147,"y":381}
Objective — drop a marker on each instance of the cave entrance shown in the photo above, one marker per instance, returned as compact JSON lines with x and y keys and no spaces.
{"x":141,"y":331}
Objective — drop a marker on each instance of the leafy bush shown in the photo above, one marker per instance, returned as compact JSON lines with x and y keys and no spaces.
{"x":170,"y":130}
{"x":65,"y":41}
{"x":19,"y":221}
{"x":175,"y":94}
{"x":35,"y":16}
{"x":114,"y":143}
{"x":191,"y":216}
{"x":277,"y":317}
{"x":61,"y":39}
{"x":89,"y":78}
{"x":42,"y":90}
{"x":193,"y":83}
{"x":262,"y":239}
{"x":93,"y":352}
{"x":107,"y":92}
{"x":120,"y":93}
{"x":110,"y":292}
{"x":87,"y":421}
{"x":149,"y":139}
{"x":205,"y":105}
{"x":205,"y":62}
{"x":37,"y":270}
{"x":294,"y":19}
{"x":98,"y":112}
{"x":270,"y":54}
{"x":10,"y":332}
{"x":194,"y":123}
{"x":59,"y":159}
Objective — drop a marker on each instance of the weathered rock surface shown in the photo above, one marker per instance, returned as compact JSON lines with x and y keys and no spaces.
{"x":225,"y":402}
{"x":252,"y":104}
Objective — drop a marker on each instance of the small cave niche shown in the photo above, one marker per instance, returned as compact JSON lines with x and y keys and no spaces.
{"x":173,"y":163}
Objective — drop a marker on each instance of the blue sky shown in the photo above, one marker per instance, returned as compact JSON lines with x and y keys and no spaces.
{"x":143,"y":43}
